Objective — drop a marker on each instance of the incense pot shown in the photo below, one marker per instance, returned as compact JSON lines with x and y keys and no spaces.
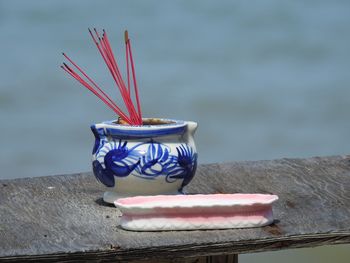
{"x":135,"y":155}
{"x":158,"y":157}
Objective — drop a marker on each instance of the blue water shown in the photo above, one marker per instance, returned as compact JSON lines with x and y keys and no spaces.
{"x":264,"y":79}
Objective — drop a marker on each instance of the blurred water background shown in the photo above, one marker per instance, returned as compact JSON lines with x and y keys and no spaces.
{"x":264,"y":79}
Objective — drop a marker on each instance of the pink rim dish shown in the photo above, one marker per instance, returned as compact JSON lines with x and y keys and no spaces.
{"x":191,"y":212}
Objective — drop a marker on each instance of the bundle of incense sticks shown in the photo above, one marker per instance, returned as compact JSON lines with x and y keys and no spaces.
{"x":134,"y":114}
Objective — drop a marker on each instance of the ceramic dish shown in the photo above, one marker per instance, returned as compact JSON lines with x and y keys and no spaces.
{"x":186,"y":212}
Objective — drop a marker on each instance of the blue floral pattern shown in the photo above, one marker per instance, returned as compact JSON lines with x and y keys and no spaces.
{"x":114,"y":159}
{"x":156,"y":161}
{"x":103,"y":175}
{"x":186,"y":165}
{"x":147,"y":160}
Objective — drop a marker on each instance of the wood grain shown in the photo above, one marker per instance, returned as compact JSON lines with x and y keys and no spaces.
{"x":62,"y":218}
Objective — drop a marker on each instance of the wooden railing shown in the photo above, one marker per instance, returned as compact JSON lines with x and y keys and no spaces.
{"x":62,"y":218}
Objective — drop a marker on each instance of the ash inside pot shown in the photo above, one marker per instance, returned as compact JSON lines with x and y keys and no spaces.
{"x":150,"y":121}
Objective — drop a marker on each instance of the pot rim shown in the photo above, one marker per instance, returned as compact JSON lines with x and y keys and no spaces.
{"x":110,"y":128}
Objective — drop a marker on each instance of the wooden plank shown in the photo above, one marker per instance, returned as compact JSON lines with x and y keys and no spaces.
{"x":208,"y":259}
{"x":62,"y":218}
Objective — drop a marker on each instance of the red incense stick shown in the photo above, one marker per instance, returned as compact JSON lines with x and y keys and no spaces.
{"x":124,"y":91}
{"x":133,"y":74}
{"x":96,"y":86}
{"x":104,"y":47}
{"x":116,"y":109}
{"x":126,"y":37}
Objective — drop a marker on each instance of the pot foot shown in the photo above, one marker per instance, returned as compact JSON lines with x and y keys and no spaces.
{"x":111,"y":197}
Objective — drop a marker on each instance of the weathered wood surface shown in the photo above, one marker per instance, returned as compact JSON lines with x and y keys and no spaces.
{"x":63,"y":218}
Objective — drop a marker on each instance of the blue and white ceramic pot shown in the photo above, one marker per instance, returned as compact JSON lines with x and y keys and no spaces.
{"x":151,"y":159}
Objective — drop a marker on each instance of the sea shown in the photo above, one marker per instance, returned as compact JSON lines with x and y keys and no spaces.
{"x":263,"y":79}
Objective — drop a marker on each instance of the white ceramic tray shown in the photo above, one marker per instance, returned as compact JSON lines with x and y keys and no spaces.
{"x":186,"y":212}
